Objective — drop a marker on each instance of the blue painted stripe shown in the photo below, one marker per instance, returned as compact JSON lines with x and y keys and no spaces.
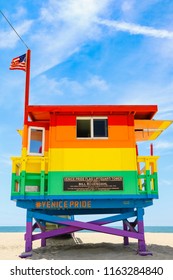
{"x":78,"y":197}
{"x":84,"y":205}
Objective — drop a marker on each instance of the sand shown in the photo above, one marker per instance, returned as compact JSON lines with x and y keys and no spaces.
{"x":87,"y":246}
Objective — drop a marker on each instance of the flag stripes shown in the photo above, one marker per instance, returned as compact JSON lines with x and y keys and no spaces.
{"x":18,"y":63}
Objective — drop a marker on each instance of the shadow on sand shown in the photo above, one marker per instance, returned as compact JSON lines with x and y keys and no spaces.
{"x":69,"y":250}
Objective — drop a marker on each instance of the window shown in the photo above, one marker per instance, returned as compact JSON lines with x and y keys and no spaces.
{"x":96,"y":127}
{"x":100,"y":127}
{"x":83,"y":128}
{"x":36,"y":141}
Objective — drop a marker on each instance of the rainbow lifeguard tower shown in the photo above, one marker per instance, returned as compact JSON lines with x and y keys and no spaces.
{"x":78,"y":160}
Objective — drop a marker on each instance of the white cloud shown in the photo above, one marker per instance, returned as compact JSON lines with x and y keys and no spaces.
{"x":97,"y":83}
{"x":163,"y":145}
{"x":61,"y":30}
{"x":48,"y":90}
{"x":71,"y":11}
{"x":44,"y":88}
{"x":71,"y":86}
{"x":135,"y":10}
{"x":148,"y":92}
{"x":136,"y":29}
{"x":164,"y":182}
{"x":127,"y":5}
{"x":17,"y":20}
{"x":9,"y":39}
{"x":5,"y":160}
{"x":21,"y":12}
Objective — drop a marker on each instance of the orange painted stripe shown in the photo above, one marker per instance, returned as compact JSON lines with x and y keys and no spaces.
{"x":46,"y":140}
{"x":118,"y":137}
{"x":148,"y":124}
{"x":25,"y":136}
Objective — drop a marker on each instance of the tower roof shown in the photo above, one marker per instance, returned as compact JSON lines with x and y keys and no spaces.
{"x":140,"y":112}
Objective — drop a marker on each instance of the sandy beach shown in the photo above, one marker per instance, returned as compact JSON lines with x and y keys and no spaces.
{"x":87,"y":246}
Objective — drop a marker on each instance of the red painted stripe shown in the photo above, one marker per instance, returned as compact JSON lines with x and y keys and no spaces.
{"x":65,"y":120}
{"x":38,"y":124}
{"x":62,"y":120}
{"x":139,"y":111}
{"x":121,"y":120}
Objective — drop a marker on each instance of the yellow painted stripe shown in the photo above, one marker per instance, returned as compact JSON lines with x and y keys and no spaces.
{"x":99,"y":159}
{"x":25,"y":153}
{"x":155,"y":135}
{"x":30,"y":164}
{"x":150,"y":162}
{"x":90,"y":159}
{"x":150,"y":129}
{"x":165,"y":124}
{"x":162,"y":127}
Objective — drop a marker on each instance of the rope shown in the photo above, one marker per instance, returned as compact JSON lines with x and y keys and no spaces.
{"x":14,"y":29}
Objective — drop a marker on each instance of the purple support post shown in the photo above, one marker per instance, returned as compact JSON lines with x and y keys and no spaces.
{"x":141,"y":242}
{"x":28,"y":236}
{"x":126,"y":239}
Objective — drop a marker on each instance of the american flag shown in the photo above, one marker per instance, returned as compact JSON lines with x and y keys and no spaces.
{"x":18,"y":63}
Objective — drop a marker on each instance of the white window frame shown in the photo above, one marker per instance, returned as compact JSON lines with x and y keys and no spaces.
{"x":29,"y":140}
{"x":92,"y":127}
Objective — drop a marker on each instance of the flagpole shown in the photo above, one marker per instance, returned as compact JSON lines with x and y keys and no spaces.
{"x":27,"y":86}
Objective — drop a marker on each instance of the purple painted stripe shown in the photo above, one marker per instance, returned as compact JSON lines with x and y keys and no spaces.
{"x":55,"y":232}
{"x":83,"y":225}
{"x":28,"y":237}
{"x":28,"y":230}
{"x":141,"y":226}
{"x":43,"y":242}
{"x":141,"y":243}
{"x":141,"y":246}
{"x":102,"y":221}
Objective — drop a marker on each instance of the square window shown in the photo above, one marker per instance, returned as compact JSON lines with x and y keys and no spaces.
{"x":84,"y":128}
{"x":100,"y":127}
{"x":92,"y":127}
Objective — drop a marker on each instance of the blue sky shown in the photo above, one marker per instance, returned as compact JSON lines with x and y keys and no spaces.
{"x":88,"y":52}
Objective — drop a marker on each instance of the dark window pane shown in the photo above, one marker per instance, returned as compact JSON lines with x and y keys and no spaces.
{"x":101,"y":128}
{"x":83,"y":128}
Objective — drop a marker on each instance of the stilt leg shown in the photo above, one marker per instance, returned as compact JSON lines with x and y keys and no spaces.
{"x":28,"y":237}
{"x":126,"y":239}
{"x":141,"y":242}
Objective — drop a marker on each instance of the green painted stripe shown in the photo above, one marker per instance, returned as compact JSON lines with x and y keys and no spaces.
{"x":30,"y":179}
{"x":52,"y":184}
{"x":55,"y":180}
{"x":150,"y":183}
